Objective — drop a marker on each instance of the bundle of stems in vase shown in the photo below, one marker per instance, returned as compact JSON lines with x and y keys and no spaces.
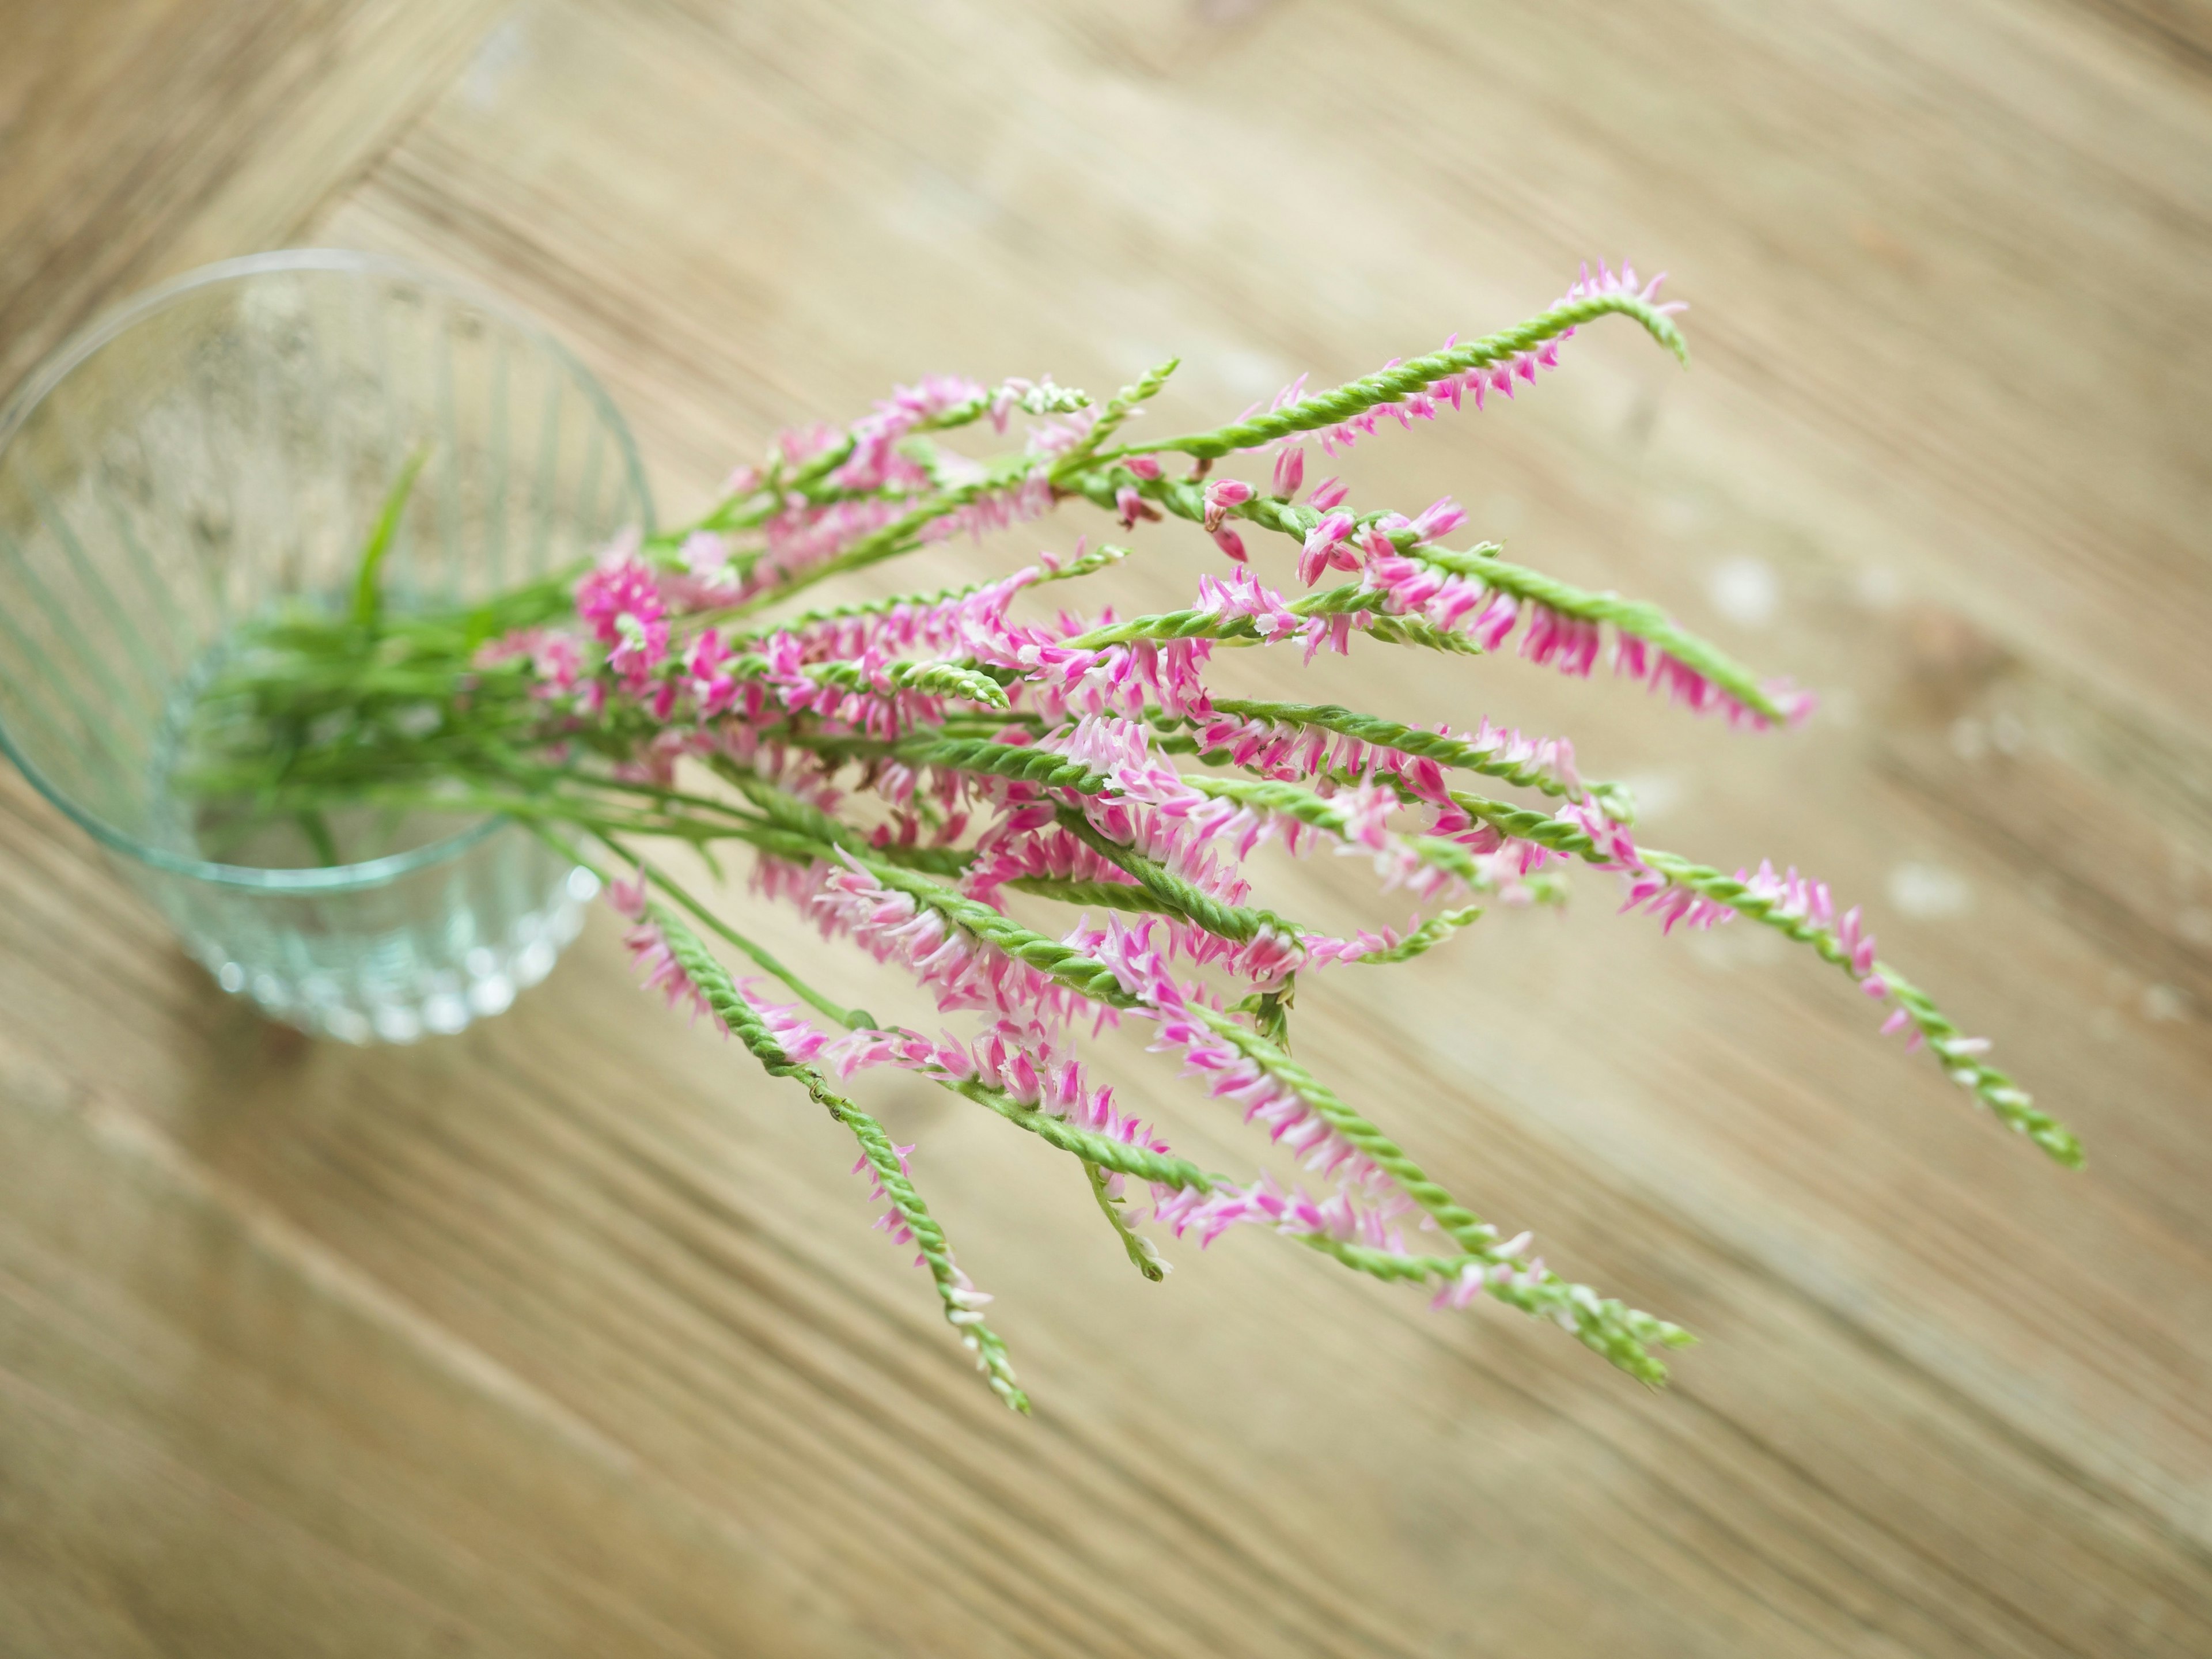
{"x":1046,"y":817}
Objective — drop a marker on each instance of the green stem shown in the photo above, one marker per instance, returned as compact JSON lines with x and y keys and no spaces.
{"x":715,"y":983}
{"x":1142,"y":1256}
{"x":1340,"y":404}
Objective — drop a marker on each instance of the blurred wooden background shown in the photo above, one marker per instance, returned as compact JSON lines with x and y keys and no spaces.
{"x":568,"y":1336}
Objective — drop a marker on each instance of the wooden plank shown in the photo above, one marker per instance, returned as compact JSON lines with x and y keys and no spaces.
{"x":568,"y":1333}
{"x":139,"y":138}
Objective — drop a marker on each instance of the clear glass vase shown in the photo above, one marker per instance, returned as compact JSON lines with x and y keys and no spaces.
{"x":217,"y":448}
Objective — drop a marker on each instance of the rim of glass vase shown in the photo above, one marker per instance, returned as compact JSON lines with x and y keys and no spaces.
{"x":51,"y":370}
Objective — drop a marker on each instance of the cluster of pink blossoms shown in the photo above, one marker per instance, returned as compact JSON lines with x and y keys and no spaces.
{"x":924,"y":778}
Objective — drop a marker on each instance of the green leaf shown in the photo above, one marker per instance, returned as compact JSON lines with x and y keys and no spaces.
{"x":368,"y":593}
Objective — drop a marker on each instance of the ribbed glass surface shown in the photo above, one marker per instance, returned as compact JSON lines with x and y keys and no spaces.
{"x":219,"y":447}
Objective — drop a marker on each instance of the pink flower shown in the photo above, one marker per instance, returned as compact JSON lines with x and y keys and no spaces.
{"x":1439,"y":519}
{"x":891,"y":1220}
{"x":713,"y":687}
{"x":1296,"y":753}
{"x":1151,"y":807}
{"x":958,"y":968}
{"x":1789,"y":895}
{"x":1289,"y":471}
{"x":518,"y":646}
{"x":557,"y":662}
{"x":628,"y":895}
{"x":794,"y":1032}
{"x":1021,"y":1060}
{"x":875,"y":461}
{"x":1340,"y":1216}
{"x":1426,"y":402}
{"x":1057,"y":678}
{"x":1029,"y":499}
{"x":1326,"y":544}
{"x":1291,"y":1120}
{"x":1223,"y":494}
{"x":1656,"y":896}
{"x":1016,"y":849}
{"x":1453,"y":603}
{"x":1323,"y":951}
{"x":620,"y":601}
{"x":1243,"y":595}
{"x":1506,"y":1262}
{"x":1553,"y":637}
{"x":704,"y":553}
{"x":1637,"y":659}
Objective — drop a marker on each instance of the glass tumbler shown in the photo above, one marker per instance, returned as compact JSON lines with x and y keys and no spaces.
{"x":221,"y":447}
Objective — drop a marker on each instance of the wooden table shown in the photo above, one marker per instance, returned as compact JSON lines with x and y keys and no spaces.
{"x":568,"y":1335}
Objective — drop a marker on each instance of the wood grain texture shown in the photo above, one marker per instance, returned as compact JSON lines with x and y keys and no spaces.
{"x":567,"y":1335}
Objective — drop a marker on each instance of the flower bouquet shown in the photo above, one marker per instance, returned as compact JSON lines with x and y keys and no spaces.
{"x":1046,"y":818}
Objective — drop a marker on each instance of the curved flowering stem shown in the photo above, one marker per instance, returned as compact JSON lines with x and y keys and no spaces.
{"x":1125,"y":403}
{"x":1340,"y":404}
{"x":756,"y":495}
{"x":713,"y":982}
{"x":900,"y":536}
{"x":1336,"y":817}
{"x":1080,"y":973}
{"x":1560,"y":834}
{"x":1426,"y":937}
{"x":1771,"y":904}
{"x":1461,"y":1224}
{"x":1958,"y":1053}
{"x":1363,"y":609}
{"x":940,"y":679}
{"x":1085,"y":561}
{"x":1096,"y":1151}
{"x":936,"y":405}
{"x":1634,"y":618}
{"x":1767,"y":702}
{"x":1100,"y":895}
{"x":759,"y":956}
{"x":1623,"y":1335}
{"x":1499,"y":760}
{"x":903,"y":535}
{"x":1020,"y":763}
{"x":1237,"y":923}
